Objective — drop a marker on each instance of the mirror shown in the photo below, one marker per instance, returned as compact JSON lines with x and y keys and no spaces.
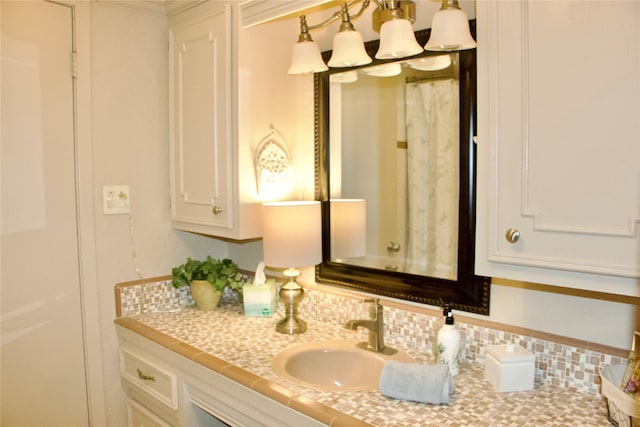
{"x":395,"y":172}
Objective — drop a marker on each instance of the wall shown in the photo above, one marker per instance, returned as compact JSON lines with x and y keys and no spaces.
{"x":131,"y":146}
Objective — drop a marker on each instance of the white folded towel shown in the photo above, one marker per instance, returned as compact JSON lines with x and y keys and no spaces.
{"x":417,"y":382}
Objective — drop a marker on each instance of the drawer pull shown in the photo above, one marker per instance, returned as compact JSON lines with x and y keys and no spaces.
{"x":145,"y":377}
{"x":217,"y":210}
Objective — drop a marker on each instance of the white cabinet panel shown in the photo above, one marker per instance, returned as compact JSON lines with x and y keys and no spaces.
{"x":205,"y":176}
{"x":201,"y":103}
{"x":139,"y":416}
{"x":559,"y":119}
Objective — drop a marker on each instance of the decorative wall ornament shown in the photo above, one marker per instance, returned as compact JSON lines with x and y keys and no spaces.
{"x":274,"y":173}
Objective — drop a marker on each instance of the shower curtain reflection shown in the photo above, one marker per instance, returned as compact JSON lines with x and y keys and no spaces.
{"x":433,"y":153}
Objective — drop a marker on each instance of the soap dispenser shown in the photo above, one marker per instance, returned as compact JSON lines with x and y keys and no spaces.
{"x":448,"y":342}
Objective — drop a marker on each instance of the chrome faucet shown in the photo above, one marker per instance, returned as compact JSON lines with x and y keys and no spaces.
{"x":375,"y":325}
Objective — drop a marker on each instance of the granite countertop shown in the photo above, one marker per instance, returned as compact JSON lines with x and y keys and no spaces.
{"x":250,"y":343}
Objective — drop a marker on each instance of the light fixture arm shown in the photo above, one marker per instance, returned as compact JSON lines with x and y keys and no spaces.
{"x":343,"y":14}
{"x":386,"y":10}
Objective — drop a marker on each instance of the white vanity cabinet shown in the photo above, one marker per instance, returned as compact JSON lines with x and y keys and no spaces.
{"x":167,"y":389}
{"x":205,"y":156}
{"x":559,"y":143}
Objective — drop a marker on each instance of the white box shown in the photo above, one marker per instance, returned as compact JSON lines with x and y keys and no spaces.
{"x":509,"y":367}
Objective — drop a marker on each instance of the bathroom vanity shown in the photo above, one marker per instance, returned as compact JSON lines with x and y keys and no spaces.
{"x":166,"y":387}
{"x":215,"y":367}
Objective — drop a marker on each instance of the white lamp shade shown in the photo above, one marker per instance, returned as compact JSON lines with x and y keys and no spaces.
{"x":450,"y":31}
{"x":291,"y":234}
{"x":348,"y":228}
{"x":307,"y":59}
{"x":348,"y":50}
{"x":397,"y":40}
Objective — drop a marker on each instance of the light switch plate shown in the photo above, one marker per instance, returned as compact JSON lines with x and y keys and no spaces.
{"x":115,"y":199}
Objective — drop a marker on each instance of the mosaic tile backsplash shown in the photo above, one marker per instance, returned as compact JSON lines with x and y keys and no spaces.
{"x":557,"y":364}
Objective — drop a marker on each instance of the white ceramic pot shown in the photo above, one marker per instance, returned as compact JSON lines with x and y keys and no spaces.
{"x":204,"y":295}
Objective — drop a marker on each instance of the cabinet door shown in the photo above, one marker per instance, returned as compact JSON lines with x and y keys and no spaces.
{"x":139,"y":416}
{"x":201,"y":136}
{"x":559,"y":119}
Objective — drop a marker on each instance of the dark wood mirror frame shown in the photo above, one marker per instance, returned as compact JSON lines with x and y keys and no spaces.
{"x":469,"y":292}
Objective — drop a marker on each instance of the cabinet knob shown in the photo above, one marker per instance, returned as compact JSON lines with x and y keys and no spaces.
{"x":217,"y":210}
{"x":512,"y":235}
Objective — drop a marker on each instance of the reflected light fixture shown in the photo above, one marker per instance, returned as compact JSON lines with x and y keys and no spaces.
{"x":291,"y":238}
{"x":450,"y":29}
{"x":393,"y":19}
{"x":383,"y":70}
{"x":349,"y":76}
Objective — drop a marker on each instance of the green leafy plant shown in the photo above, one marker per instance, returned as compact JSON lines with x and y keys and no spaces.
{"x":220,"y":273}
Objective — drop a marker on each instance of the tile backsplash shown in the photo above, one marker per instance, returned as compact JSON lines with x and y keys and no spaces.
{"x":557,"y":363}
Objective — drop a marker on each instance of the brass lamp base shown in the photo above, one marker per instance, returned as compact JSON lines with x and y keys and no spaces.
{"x":291,"y":294}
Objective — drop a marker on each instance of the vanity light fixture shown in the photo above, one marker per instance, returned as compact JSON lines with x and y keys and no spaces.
{"x":393,"y":19}
{"x":291,"y":238}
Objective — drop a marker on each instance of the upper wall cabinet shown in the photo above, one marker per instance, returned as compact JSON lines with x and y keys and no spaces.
{"x":205,"y":159}
{"x":559,"y":154}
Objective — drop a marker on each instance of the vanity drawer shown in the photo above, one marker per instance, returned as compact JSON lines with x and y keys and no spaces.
{"x":149,"y":377}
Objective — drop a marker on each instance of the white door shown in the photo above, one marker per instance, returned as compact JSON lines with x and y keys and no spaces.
{"x":43,"y":364}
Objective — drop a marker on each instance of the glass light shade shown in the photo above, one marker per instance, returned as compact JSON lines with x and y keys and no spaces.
{"x":348,"y":228}
{"x":307,"y":59}
{"x":450,"y":31}
{"x":348,"y":50}
{"x":291,"y":234}
{"x":397,"y":40}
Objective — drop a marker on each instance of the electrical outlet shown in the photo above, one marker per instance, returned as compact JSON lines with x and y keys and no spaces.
{"x":115,"y":199}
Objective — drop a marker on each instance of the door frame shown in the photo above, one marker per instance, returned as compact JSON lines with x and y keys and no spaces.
{"x":81,"y":12}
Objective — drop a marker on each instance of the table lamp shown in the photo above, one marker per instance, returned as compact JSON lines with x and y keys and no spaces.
{"x":291,"y":238}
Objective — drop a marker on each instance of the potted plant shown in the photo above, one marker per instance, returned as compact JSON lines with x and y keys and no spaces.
{"x":207,"y":280}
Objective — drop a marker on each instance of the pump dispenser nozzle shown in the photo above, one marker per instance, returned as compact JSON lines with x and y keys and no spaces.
{"x":448,"y":314}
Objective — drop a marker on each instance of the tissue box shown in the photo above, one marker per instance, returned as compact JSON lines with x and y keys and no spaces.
{"x":509,"y":367}
{"x":260,"y":300}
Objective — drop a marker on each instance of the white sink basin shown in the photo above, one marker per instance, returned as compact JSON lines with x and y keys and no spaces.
{"x":333,"y":365}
